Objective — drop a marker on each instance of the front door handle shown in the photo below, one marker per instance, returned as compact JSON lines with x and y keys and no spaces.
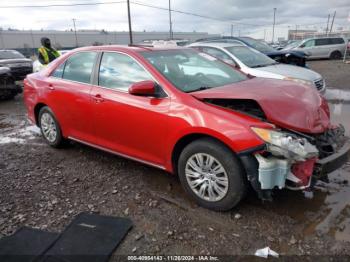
{"x":98,"y":98}
{"x":51,"y":87}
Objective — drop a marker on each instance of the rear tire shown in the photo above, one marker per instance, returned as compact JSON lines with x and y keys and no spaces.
{"x":335,"y":55}
{"x":211,"y":174}
{"x":50,"y":128}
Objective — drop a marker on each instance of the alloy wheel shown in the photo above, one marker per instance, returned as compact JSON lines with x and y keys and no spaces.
{"x":48,"y":127}
{"x":206,"y":177}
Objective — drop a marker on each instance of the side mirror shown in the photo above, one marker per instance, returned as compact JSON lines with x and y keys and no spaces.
{"x":144,"y":88}
{"x":302,"y":46}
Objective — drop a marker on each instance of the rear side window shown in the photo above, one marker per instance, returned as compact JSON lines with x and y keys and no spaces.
{"x":322,"y":41}
{"x":79,"y":67}
{"x":119,"y":71}
{"x":58,"y":72}
{"x":336,"y":41}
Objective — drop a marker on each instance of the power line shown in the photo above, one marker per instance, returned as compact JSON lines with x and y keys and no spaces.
{"x":192,"y":14}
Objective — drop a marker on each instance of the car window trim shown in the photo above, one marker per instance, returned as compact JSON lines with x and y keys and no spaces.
{"x":225,"y":52}
{"x":97,"y":71}
{"x":65,"y":63}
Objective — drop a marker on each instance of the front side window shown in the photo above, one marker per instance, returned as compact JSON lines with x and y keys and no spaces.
{"x":79,"y":67}
{"x":189,"y":70}
{"x":310,"y":43}
{"x":250,"y":57}
{"x":119,"y":71}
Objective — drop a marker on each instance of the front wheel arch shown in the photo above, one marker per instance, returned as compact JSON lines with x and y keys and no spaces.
{"x":186,"y":140}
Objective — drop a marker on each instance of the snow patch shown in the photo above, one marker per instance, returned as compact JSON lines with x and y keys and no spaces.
{"x":20,"y":136}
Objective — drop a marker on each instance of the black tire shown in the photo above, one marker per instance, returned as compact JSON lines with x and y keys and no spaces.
{"x":59,"y":140}
{"x":235,"y":174}
{"x":335,"y":55}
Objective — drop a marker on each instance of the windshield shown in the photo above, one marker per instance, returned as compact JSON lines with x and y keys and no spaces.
{"x":293,"y":44}
{"x":10,"y":54}
{"x":258,"y":45}
{"x":250,"y":57}
{"x":190,"y":71}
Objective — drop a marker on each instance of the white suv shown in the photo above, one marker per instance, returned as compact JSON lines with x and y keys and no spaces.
{"x":325,"y":47}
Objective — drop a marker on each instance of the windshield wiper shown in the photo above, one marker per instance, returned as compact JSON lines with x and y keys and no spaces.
{"x":199,"y":89}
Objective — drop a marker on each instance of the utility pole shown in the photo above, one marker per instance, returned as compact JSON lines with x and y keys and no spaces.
{"x":273,"y":27}
{"x":327,"y":24}
{"x":330,"y":30}
{"x":170,"y":23}
{"x":75,"y":33}
{"x":33,"y":45}
{"x":129,"y":19}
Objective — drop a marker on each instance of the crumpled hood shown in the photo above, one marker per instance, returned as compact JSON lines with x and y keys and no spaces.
{"x":285,"y":103}
{"x":292,"y":71}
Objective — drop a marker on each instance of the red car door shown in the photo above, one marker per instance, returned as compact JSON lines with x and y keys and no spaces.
{"x":69,"y":96}
{"x":132,"y":125}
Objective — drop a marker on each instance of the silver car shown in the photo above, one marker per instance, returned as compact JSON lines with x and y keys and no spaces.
{"x":252,"y":62}
{"x":325,"y":47}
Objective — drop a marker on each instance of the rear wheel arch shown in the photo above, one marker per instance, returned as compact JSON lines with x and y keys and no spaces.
{"x":37,"y":109}
{"x":335,"y":54}
{"x":186,"y":140}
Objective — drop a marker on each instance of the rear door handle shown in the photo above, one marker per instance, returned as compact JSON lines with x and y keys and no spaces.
{"x":51,"y":87}
{"x":98,"y":98}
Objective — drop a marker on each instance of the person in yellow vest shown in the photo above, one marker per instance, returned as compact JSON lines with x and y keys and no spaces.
{"x":46,"y":52}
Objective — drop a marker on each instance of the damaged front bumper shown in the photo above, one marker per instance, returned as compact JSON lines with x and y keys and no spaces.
{"x":328,"y":164}
{"x":271,"y":167}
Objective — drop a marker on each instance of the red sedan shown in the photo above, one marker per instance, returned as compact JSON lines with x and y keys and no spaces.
{"x":189,"y":114}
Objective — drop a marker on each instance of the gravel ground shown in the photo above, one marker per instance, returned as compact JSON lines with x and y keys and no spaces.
{"x":45,"y":188}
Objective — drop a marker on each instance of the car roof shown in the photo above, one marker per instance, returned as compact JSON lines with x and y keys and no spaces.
{"x":323,"y":37}
{"x":217,"y":44}
{"x":128,"y":48}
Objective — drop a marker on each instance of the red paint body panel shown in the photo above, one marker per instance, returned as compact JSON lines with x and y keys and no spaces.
{"x":148,"y":128}
{"x":304,"y":170}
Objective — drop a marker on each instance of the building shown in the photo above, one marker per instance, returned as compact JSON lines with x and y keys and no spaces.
{"x":303,"y":34}
{"x":27,"y":41}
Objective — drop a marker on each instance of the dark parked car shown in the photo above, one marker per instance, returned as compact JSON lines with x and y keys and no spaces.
{"x":8,"y":86}
{"x":18,"y":64}
{"x":282,"y":56}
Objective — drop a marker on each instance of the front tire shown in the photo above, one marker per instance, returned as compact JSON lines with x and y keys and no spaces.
{"x":50,"y":128}
{"x":211,"y":174}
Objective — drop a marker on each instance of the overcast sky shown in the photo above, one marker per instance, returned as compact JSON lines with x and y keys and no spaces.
{"x":249,"y":17}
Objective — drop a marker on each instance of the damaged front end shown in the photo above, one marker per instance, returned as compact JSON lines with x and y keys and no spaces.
{"x":293,"y":161}
{"x":301,"y":147}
